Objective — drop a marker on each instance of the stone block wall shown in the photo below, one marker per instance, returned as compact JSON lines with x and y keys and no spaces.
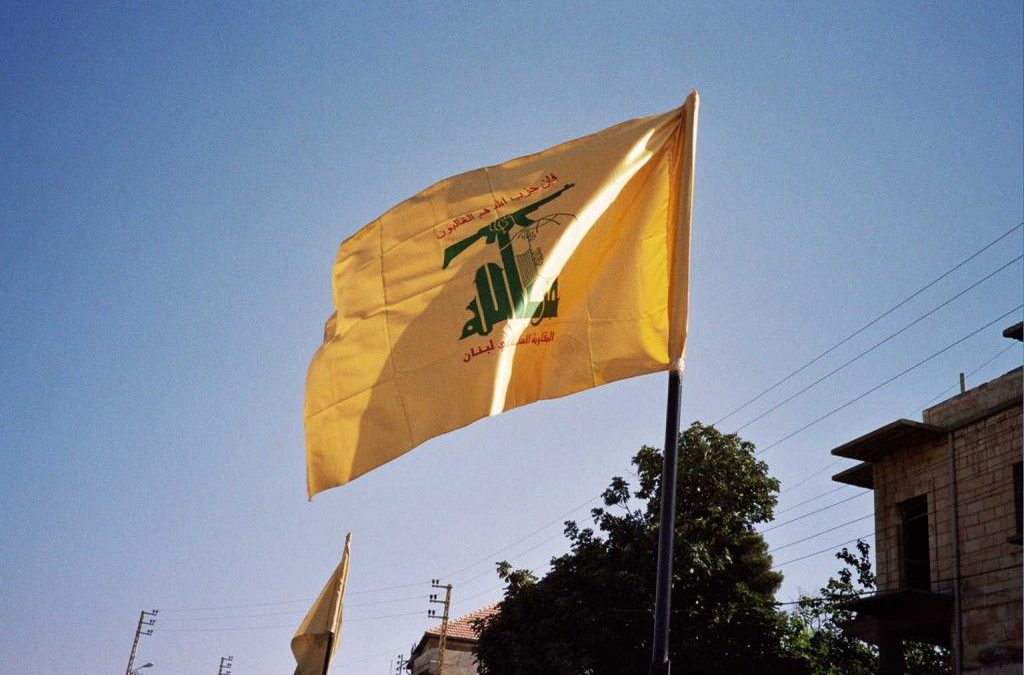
{"x":990,"y":566}
{"x":987,"y":441}
{"x":922,"y":470}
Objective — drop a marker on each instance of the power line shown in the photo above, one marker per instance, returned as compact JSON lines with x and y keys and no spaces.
{"x":245,"y":606}
{"x":394,"y":587}
{"x":526,"y":536}
{"x":295,"y":611}
{"x":877,"y":591}
{"x":877,"y":345}
{"x":891,"y":379}
{"x":235,"y":616}
{"x":385,"y":602}
{"x":940,"y":487}
{"x":380,"y":602}
{"x":218,"y":629}
{"x":293,"y":600}
{"x":542,"y":542}
{"x":816,"y":473}
{"x":811,"y":513}
{"x":815,"y":536}
{"x":382,"y":589}
{"x":872,"y":322}
{"x":932,"y":513}
{"x":399,"y":586}
{"x":518,"y":555}
{"x":790,"y":488}
{"x":973,"y":372}
{"x":812,"y":499}
{"x":489,"y":557}
{"x":861,"y":494}
{"x":824,"y":550}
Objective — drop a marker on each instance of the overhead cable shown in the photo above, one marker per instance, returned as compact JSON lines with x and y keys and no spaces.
{"x":872,"y":322}
{"x":891,"y":379}
{"x":876,"y":345}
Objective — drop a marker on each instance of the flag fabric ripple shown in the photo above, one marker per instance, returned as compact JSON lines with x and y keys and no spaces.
{"x":533,"y":279}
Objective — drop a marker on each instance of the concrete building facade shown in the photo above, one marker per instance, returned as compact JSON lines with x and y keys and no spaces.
{"x":947,"y":498}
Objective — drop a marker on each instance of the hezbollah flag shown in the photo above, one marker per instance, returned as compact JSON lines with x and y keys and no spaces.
{"x":533,"y":279}
{"x":316,"y":640}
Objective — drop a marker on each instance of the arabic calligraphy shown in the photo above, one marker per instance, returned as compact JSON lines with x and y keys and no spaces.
{"x":486,"y":348}
{"x":493,"y":303}
{"x":506,"y":291}
{"x":454,"y":224}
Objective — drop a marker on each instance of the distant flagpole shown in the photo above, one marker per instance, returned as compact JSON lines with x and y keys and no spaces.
{"x":660,"y":663}
{"x":336,"y":613}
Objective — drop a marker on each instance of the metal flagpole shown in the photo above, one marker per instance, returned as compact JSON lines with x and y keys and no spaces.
{"x":327,"y":654}
{"x":660,"y":664}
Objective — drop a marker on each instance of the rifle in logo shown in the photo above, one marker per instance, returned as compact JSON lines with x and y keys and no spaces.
{"x":503,"y":291}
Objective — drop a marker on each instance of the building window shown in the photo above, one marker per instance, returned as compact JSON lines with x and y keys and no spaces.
{"x":915,"y":564}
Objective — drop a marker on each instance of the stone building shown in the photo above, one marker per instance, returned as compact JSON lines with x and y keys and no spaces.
{"x":956,"y":473}
{"x":459,"y":643}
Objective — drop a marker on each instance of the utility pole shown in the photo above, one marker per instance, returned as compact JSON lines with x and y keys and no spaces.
{"x":399,"y":665}
{"x":143,"y":621}
{"x":447,"y":602}
{"x":225,"y":665}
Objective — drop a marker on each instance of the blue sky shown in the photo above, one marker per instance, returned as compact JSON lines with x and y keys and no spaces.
{"x":175,"y":180}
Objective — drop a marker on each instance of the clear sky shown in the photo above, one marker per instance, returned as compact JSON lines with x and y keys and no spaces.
{"x":175,"y":179}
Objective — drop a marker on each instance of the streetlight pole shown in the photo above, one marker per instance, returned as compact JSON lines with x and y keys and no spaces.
{"x":143,"y":621}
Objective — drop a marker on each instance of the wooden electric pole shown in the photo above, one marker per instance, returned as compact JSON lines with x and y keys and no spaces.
{"x":447,"y":602}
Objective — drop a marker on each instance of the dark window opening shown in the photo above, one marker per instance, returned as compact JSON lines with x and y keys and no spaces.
{"x":916,"y":566}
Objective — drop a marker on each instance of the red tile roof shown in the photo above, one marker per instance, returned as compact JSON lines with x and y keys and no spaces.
{"x":462,"y":628}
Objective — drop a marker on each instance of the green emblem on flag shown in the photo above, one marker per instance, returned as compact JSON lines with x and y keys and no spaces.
{"x":503,"y":291}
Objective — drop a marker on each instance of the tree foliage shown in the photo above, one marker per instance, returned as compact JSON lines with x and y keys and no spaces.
{"x":817,"y":637}
{"x":816,"y":623}
{"x":592,"y":612}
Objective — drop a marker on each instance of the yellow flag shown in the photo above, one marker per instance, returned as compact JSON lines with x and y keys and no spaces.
{"x":533,"y":279}
{"x":316,"y":640}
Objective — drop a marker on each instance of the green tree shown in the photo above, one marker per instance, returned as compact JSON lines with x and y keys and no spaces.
{"x":592,"y":612}
{"x":817,"y":638}
{"x":816,"y":622}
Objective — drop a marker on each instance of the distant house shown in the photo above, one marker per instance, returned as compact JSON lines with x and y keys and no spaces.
{"x":948,"y":517}
{"x":459,"y":645}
